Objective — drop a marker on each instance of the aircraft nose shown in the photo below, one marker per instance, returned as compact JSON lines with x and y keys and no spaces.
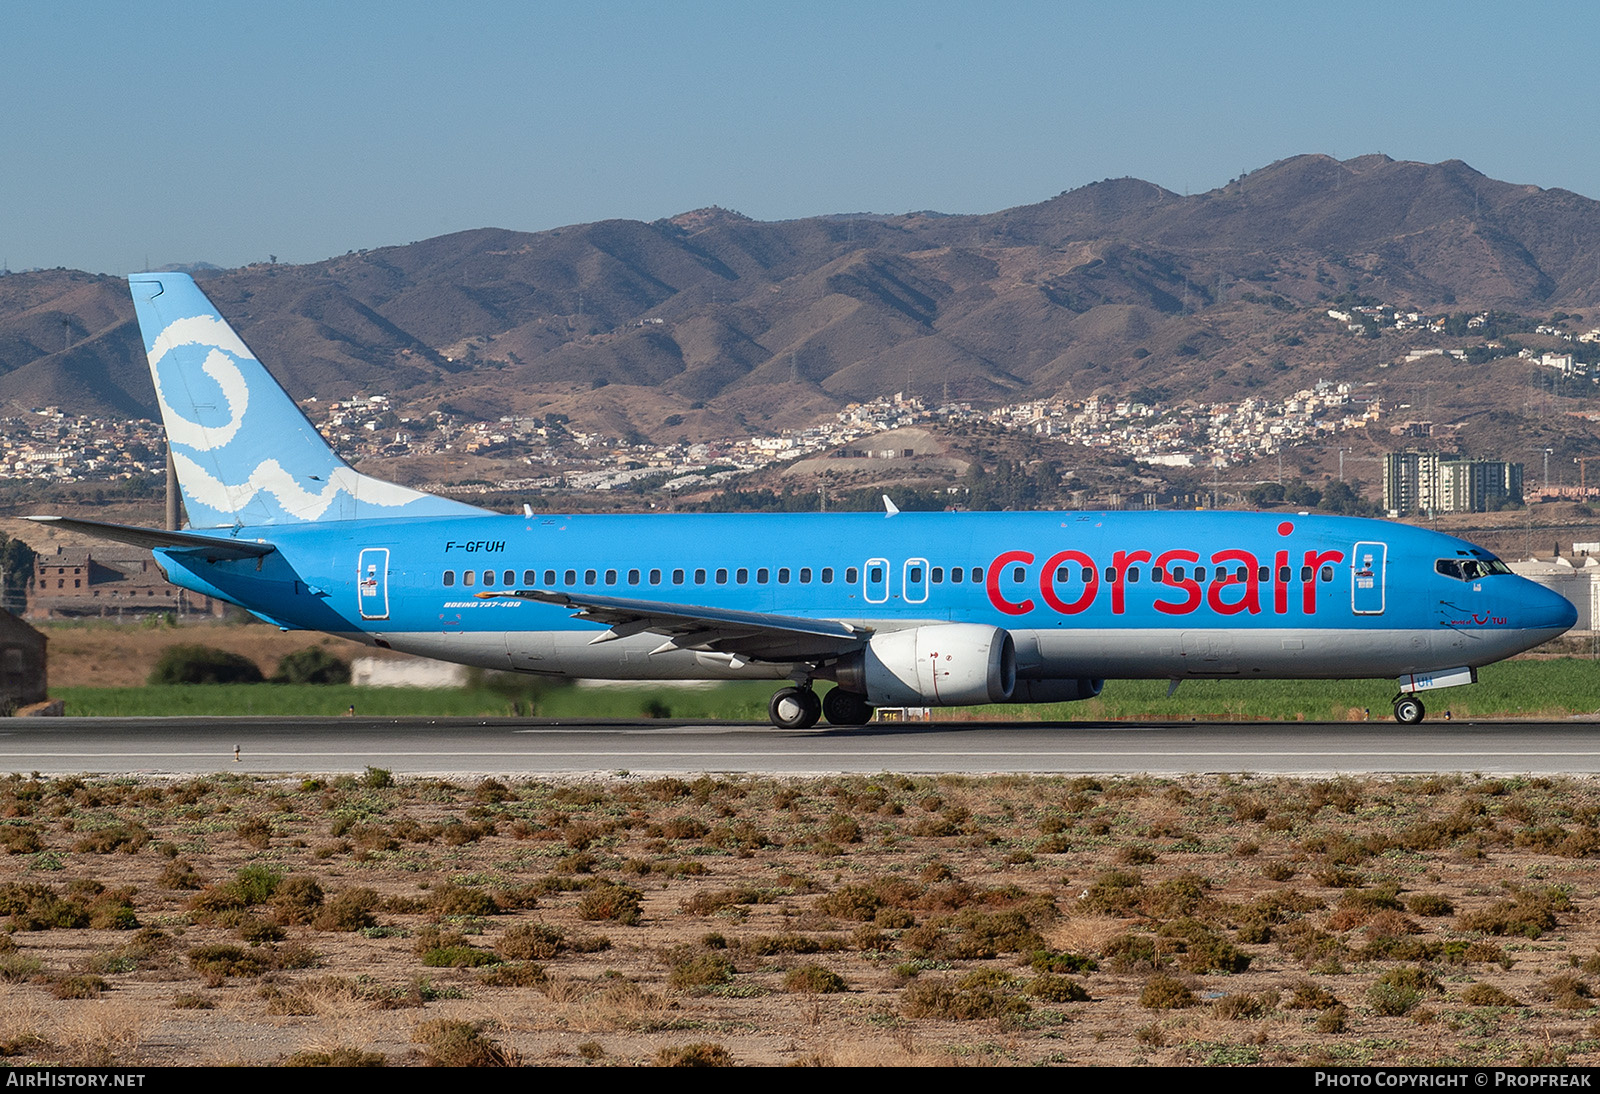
{"x":1539,"y":608}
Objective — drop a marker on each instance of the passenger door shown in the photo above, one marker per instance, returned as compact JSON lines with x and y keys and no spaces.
{"x":372,"y":583}
{"x":1368,"y":575}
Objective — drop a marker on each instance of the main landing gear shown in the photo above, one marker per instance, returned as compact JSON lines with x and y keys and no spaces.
{"x":795,"y":708}
{"x":1408,"y":710}
{"x":799,"y":708}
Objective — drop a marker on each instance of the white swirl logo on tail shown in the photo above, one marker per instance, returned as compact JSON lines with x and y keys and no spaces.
{"x":295,"y":500}
{"x":204,"y":330}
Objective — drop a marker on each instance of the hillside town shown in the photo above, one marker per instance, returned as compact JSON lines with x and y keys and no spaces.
{"x":50,"y":444}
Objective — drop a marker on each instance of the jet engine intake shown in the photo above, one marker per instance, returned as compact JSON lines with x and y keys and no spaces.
{"x":944,"y":664}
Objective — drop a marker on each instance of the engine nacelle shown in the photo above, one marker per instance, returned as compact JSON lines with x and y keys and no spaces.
{"x":1056,"y":691}
{"x":946,"y":664}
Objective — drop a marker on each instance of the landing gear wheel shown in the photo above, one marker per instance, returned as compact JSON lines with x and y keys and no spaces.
{"x":1409,"y":711}
{"x":795,"y":708}
{"x":846,"y":708}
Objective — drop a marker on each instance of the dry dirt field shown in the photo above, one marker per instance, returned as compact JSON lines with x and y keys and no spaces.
{"x":122,"y":655}
{"x":884,"y":920}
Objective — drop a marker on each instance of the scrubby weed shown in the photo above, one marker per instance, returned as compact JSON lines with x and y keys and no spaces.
{"x":903,"y":927}
{"x":449,"y":1042}
{"x":698,"y":1054}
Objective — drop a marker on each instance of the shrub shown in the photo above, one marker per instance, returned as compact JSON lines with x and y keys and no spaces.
{"x":197,"y":664}
{"x":349,"y":910}
{"x":297,"y":900}
{"x":257,"y":832}
{"x":1162,"y":992}
{"x":615,"y":903}
{"x":979,"y":995}
{"x":1309,"y":995}
{"x":1397,"y":991}
{"x":700,"y":973}
{"x":1486,"y":995}
{"x":450,"y":1043}
{"x":1057,"y":989}
{"x":814,"y":980}
{"x":461,"y":900}
{"x":224,"y":959}
{"x":699,"y":1054}
{"x":313,"y":665}
{"x":531,"y":942}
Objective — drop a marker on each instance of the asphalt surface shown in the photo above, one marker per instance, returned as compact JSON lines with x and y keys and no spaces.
{"x":512,"y":746}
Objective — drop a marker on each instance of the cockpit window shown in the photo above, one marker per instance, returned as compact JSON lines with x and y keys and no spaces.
{"x":1470,"y":569}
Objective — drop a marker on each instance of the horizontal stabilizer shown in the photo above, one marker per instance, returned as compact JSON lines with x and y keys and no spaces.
{"x":214,"y":548}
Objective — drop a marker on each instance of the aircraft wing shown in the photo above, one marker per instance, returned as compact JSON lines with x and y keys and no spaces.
{"x":756,"y":636}
{"x":214,"y":548}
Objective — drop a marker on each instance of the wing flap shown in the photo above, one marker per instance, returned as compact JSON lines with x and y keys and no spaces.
{"x":761,"y":636}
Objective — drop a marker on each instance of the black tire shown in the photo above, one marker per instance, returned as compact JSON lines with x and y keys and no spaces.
{"x":846,"y":708}
{"x":794,"y":708}
{"x":1409,"y":711}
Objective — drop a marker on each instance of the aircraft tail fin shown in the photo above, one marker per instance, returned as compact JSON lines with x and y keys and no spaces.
{"x":244,"y":452}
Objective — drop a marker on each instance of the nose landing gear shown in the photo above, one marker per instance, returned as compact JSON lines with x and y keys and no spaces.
{"x":1408,"y":710}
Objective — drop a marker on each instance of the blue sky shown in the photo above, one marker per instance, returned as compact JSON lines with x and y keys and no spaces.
{"x":161,"y":132}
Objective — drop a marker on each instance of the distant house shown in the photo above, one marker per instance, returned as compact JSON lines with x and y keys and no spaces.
{"x":108,"y":582}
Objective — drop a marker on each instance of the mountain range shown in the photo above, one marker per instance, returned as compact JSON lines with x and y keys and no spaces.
{"x":710,"y":322}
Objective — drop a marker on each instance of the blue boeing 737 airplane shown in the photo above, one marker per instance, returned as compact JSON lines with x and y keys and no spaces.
{"x":899,"y":609}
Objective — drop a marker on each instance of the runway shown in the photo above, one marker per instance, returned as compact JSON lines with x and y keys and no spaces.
{"x":512,"y":746}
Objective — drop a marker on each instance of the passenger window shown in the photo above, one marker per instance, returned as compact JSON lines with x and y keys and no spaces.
{"x":590,"y":577}
{"x":1087,"y":575}
{"x":1157,"y":574}
{"x":633,"y":577}
{"x":1019,"y":574}
{"x":783,"y":575}
{"x":827,"y":575}
{"x":611,"y":577}
{"x":509,"y":578}
{"x":699,"y":577}
{"x":875,"y":574}
{"x":1177,"y":573}
{"x":1264,"y":573}
{"x":677,"y":577}
{"x":571,"y":577}
{"x":1283,"y":574}
{"x":956,"y":574}
{"x":937,"y":574}
{"x":1327,"y":573}
{"x":655,"y":577}
{"x":549,"y":577}
{"x":468,"y":577}
{"x":722,"y":575}
{"x":851,"y":575}
{"x":742,"y":576}
{"x":763,"y":576}
{"x":488,"y":578}
{"x":530,"y":577}
{"x":805,"y":575}
{"x":1133,"y":574}
{"x":977,"y":575}
{"x":449,"y":577}
{"x":1242,"y":574}
{"x":1111,"y":573}
{"x":1305,"y":573}
{"x":1199,"y":573}
{"x":916,"y":574}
